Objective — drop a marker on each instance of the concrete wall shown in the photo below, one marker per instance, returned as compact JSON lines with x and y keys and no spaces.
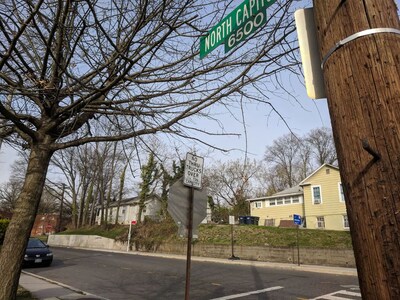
{"x":327,"y":257}
{"x":85,"y":241}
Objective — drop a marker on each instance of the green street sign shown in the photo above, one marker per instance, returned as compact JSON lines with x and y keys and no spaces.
{"x":236,"y":26}
{"x":244,"y":31}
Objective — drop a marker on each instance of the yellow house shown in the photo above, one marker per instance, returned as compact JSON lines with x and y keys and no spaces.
{"x":318,"y":199}
{"x":279,"y":207}
{"x":324,"y":202}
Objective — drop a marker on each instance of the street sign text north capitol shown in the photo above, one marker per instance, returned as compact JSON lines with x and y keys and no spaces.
{"x":247,"y":10}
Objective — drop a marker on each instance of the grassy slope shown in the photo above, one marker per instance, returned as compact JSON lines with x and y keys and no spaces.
{"x":273,"y":236}
{"x":246,"y":235}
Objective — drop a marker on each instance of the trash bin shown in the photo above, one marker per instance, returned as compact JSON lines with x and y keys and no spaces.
{"x":249,"y":220}
{"x":255,"y":220}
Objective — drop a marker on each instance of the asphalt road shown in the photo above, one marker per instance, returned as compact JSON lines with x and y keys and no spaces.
{"x":118,"y":276}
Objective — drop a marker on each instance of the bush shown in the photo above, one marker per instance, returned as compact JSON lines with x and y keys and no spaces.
{"x":3,"y":228}
{"x":150,"y":234}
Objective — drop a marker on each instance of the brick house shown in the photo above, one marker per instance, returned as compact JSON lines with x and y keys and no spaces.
{"x":45,"y":224}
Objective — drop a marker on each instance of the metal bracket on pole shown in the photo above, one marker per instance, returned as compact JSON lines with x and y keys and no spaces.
{"x":371,"y":151}
{"x":355,"y":36}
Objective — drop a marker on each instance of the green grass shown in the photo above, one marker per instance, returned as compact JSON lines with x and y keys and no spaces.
{"x":112,"y":232}
{"x":151,"y":234}
{"x":252,"y":235}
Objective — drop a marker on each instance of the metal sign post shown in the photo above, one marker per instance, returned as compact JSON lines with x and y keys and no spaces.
{"x":232,"y":222}
{"x":297,"y":221}
{"x":191,"y":178}
{"x":133,"y":222}
{"x":298,"y":248}
{"x":189,"y":244}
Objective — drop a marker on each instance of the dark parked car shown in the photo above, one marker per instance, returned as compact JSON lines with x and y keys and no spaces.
{"x":37,"y":253}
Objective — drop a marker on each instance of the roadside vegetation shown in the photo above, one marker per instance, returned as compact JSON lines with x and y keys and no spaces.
{"x":23,"y":294}
{"x":150,"y":234}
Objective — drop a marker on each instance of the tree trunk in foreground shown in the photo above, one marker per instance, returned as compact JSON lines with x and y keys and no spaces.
{"x":19,"y":229}
{"x":362,"y":80}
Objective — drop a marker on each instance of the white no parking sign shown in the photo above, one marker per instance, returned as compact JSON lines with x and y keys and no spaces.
{"x":193,"y":171}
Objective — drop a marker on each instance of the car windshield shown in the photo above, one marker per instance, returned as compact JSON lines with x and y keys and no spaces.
{"x":35,"y":243}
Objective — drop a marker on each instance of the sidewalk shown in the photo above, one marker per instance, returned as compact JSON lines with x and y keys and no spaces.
{"x":46,"y":289}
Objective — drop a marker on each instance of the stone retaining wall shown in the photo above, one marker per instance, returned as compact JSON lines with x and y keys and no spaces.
{"x":326,"y":257}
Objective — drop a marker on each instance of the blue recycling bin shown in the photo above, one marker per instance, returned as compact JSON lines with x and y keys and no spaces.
{"x":248,"y":220}
{"x":252,"y":220}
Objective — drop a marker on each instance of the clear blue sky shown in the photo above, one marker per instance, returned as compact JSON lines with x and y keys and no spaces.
{"x":301,"y":114}
{"x":7,"y":156}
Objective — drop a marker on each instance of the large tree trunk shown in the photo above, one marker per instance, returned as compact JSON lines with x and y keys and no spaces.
{"x":363,"y":86}
{"x":19,"y":229}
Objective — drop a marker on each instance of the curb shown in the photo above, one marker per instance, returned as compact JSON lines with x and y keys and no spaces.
{"x":283,"y":266}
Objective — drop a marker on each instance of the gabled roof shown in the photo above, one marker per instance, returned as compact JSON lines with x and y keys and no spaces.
{"x":296,"y":190}
{"x":131,"y":201}
{"x":127,"y":201}
{"x":293,"y":191}
{"x":304,"y":181}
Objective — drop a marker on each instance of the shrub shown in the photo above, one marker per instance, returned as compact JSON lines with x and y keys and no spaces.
{"x":3,"y":228}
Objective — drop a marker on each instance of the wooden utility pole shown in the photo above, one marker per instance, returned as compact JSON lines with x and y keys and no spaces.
{"x":362,"y":81}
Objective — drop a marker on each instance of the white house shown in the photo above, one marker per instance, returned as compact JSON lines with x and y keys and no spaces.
{"x":129,"y":210}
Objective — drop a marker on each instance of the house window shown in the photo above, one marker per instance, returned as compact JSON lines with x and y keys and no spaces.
{"x":295,"y":200}
{"x":272,"y":203}
{"x":269,"y":222}
{"x":346,"y":222}
{"x":279,"y":202}
{"x":320,"y":222}
{"x":316,"y":194}
{"x":287,"y":200}
{"x":328,"y":171}
{"x":258,"y":204}
{"x":341,"y":193}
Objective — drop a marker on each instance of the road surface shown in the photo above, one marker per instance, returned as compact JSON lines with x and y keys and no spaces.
{"x":119,"y":276}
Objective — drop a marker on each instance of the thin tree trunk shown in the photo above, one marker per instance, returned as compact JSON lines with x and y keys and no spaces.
{"x":82,"y":203}
{"x":19,"y":229}
{"x":93,"y":211}
{"x":109,"y":216}
{"x":61,"y":209}
{"x":74,"y":209}
{"x":101,"y":194}
{"x":88,"y":203}
{"x":121,"y":190}
{"x":142,"y":206}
